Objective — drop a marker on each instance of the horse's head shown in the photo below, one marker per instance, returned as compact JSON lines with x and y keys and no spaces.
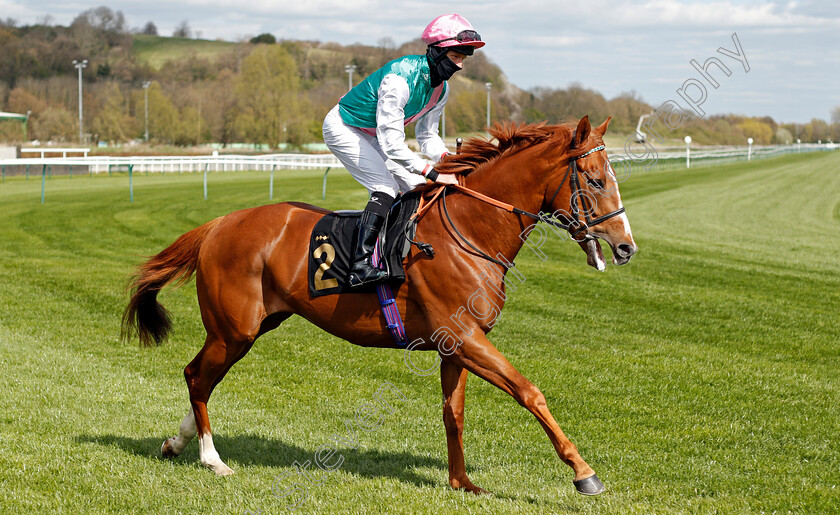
{"x":584,"y":195}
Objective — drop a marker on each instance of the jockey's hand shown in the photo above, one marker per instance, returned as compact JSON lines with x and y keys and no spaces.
{"x":446,"y":179}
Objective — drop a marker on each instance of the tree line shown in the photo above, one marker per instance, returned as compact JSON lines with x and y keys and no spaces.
{"x":269,"y":92}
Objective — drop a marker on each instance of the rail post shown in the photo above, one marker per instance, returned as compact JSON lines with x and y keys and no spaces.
{"x":43,"y":182}
{"x":687,"y":152}
{"x":324,"y":187}
{"x":271,"y":184}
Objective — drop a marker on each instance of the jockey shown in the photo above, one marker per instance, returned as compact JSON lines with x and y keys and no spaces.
{"x":366,"y":130}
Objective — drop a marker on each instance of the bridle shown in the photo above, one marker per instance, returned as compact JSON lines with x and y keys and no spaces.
{"x":573,"y":175}
{"x":574,"y":227}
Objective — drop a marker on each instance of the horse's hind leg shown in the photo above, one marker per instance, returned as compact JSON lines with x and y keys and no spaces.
{"x":175,"y":446}
{"x":202,"y":375}
{"x":205,"y":371}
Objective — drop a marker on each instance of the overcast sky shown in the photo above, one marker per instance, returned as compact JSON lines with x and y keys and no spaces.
{"x":792,"y":48}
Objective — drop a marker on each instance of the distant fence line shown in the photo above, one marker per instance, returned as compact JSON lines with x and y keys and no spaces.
{"x":677,"y":157}
{"x":663,"y":158}
{"x":45,"y":166}
{"x":168,"y":164}
{"x":175,"y":164}
{"x":55,"y":150}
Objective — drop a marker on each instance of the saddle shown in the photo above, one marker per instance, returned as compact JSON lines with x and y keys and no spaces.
{"x":332,"y":242}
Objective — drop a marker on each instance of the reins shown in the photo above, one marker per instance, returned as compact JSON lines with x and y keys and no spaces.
{"x":465,"y":240}
{"x":575,"y":227}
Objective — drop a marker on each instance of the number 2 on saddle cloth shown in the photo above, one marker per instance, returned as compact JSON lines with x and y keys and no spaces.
{"x":331,"y":252}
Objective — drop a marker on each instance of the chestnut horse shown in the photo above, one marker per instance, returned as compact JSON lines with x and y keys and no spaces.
{"x":251,"y":275}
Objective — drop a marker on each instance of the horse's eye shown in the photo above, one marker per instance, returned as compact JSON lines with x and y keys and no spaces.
{"x":596,"y":183}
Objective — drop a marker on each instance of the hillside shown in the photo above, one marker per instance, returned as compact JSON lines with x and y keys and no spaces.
{"x":276,"y":94}
{"x":155,"y":51}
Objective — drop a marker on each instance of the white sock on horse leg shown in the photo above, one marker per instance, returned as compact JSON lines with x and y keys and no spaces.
{"x":186,"y":432}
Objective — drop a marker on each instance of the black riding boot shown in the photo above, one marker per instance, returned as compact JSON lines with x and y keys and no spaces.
{"x":368,"y":227}
{"x":363,"y":272}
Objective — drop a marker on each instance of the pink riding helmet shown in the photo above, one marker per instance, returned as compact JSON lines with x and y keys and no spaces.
{"x":451,"y":30}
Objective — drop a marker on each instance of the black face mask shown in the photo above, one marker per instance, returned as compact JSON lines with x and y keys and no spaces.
{"x":440,"y":66}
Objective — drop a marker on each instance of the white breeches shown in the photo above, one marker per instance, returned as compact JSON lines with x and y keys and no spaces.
{"x":361,"y":154}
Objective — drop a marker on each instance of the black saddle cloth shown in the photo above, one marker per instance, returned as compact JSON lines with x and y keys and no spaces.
{"x":332,"y":244}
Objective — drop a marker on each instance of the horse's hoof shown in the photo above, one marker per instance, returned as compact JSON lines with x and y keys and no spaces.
{"x":166,"y":449}
{"x":467,"y":486}
{"x":222,"y":470}
{"x":589,"y":486}
{"x":475,"y":490}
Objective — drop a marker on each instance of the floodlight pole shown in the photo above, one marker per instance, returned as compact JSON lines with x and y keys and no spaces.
{"x":146,"y":85}
{"x":349,"y":68}
{"x":80,"y":65}
{"x":488,"y":85}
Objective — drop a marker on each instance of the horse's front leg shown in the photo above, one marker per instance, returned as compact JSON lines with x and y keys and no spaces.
{"x":453,"y":381}
{"x":480,"y":357}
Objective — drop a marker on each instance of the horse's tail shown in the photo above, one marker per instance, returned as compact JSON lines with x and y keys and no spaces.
{"x":144,"y":314}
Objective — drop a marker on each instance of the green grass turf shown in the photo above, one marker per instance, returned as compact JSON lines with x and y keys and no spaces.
{"x":157,"y":50}
{"x":702,"y":377}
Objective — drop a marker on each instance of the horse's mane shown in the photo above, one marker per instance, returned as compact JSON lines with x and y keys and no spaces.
{"x":510,"y":138}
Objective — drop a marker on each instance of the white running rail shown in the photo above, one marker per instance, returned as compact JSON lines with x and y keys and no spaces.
{"x":163,"y":164}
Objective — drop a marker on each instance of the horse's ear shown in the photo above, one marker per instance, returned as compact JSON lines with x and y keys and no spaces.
{"x":602,"y":129}
{"x":582,"y":132}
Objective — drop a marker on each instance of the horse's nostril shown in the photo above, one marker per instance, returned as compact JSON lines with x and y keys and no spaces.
{"x":626,"y":250}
